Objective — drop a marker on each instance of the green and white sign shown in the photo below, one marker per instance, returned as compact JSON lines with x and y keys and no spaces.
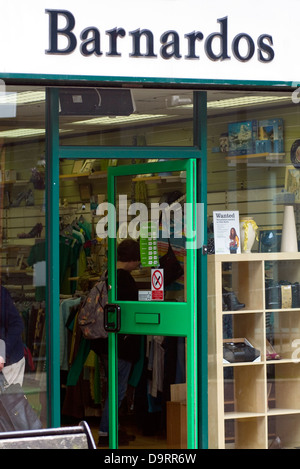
{"x":148,"y":244}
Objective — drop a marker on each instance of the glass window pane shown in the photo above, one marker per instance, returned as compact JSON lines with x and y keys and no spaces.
{"x":253,"y":294}
{"x":22,"y":241}
{"x":142,"y":200}
{"x":124,"y":117}
{"x":150,"y":209}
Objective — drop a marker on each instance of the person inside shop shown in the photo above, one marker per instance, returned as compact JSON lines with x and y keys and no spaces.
{"x":12,"y":360}
{"x":129,"y":346}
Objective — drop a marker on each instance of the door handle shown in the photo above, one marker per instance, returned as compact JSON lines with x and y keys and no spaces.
{"x":112,"y":317}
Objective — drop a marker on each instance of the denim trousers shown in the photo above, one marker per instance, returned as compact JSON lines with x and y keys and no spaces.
{"x":124,"y":368}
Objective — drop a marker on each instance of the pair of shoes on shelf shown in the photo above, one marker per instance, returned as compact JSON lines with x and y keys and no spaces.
{"x":27,"y":196}
{"x":34,"y":233}
{"x":123,"y":439}
{"x":230,"y":301}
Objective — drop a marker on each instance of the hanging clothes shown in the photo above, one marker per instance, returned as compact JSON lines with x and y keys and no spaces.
{"x":65,"y":307}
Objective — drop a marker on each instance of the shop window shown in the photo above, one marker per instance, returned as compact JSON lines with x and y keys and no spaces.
{"x":22,"y":240}
{"x":253,"y":297}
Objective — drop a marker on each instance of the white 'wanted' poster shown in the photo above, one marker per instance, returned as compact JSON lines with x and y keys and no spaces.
{"x":227,"y":232}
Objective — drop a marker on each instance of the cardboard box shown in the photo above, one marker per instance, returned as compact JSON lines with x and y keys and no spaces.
{"x":176,"y":425}
{"x":178,"y":392}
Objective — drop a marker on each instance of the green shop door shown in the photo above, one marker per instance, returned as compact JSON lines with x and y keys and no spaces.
{"x":152,"y":311}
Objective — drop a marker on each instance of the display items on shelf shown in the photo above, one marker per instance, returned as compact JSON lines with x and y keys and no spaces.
{"x":253,"y":402}
{"x":239,"y":351}
{"x":270,"y":136}
{"x":292,"y":184}
{"x":269,"y":240}
{"x":249,"y":233}
{"x":254,"y":139}
{"x":242,"y":137}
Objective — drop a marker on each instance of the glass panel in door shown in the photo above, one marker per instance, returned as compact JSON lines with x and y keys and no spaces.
{"x":150,"y":204}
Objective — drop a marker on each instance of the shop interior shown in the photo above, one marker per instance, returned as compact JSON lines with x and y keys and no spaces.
{"x":252,"y":169}
{"x":161,"y":361}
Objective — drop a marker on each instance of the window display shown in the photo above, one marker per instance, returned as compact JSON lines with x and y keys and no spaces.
{"x":253,"y":308}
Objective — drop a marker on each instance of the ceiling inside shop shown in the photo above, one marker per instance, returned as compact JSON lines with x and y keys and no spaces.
{"x":151,"y":105}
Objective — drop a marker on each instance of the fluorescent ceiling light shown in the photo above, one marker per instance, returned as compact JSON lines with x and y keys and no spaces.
{"x":121,"y":119}
{"x":17,"y":133}
{"x":21,"y":132}
{"x":240,"y":101}
{"x":246,"y":101}
{"x":25,"y":97}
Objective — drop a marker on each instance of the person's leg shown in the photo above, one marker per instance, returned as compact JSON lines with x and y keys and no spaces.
{"x":124,"y":368}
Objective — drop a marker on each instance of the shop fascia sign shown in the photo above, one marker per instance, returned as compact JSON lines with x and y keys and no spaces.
{"x":88,"y":42}
{"x":160,"y":39}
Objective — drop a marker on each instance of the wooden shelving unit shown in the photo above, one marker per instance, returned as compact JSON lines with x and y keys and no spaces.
{"x":252,"y":403}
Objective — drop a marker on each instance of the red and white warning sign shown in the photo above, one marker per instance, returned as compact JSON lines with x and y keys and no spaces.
{"x":157,"y":284}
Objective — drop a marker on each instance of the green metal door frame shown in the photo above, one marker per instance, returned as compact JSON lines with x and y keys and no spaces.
{"x":54,"y":153}
{"x":176,"y":319}
{"x":52,"y":258}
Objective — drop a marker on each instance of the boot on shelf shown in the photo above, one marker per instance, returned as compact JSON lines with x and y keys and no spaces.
{"x":34,"y":233}
{"x":230,"y":301}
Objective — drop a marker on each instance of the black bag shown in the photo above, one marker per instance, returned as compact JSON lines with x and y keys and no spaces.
{"x":236,"y":352}
{"x":172,"y":267}
{"x":16,"y":414}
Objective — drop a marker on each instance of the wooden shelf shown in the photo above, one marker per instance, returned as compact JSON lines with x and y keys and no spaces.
{"x":158,"y":178}
{"x":242,"y":415}
{"x":283,"y":412}
{"x":103,"y":174}
{"x":252,"y":157}
{"x":89,"y":175}
{"x":98,"y":175}
{"x":230,"y":365}
{"x":18,"y":182}
{"x":254,"y":256}
{"x":14,"y":270}
{"x":73,"y":176}
{"x":15,"y":243}
{"x":243,"y":311}
{"x":253,"y":398}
